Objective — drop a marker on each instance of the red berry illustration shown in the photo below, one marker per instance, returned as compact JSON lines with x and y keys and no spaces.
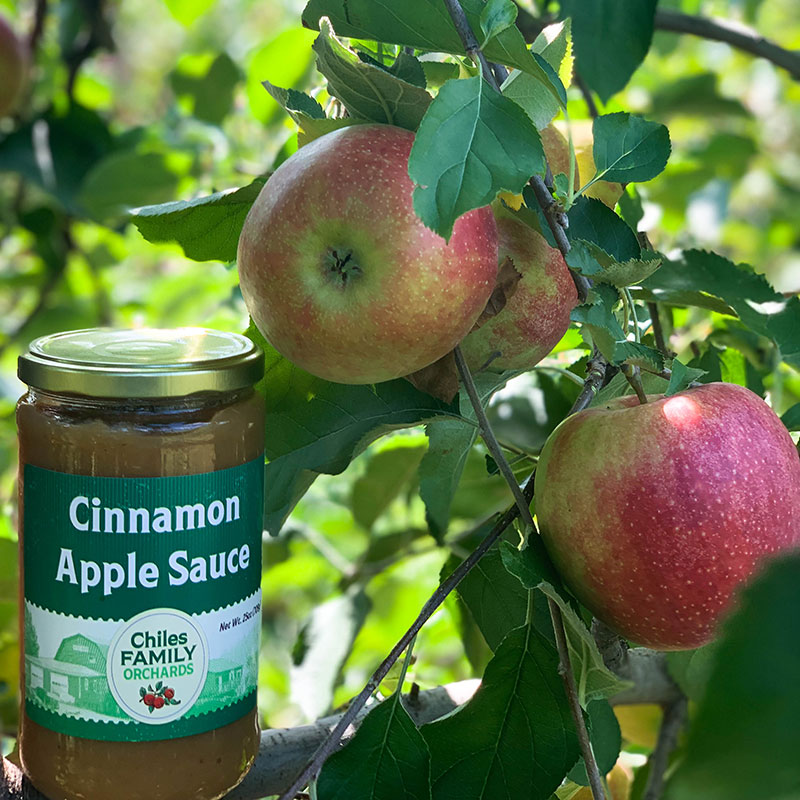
{"x":158,"y":701}
{"x":169,"y":693}
{"x":150,"y":700}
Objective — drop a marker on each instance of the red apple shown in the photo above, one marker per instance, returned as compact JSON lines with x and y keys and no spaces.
{"x":536,"y":315}
{"x":13,"y":66}
{"x":655,"y":514}
{"x":343,"y":278}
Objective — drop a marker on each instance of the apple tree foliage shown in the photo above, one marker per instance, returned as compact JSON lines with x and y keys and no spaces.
{"x":375,"y":492}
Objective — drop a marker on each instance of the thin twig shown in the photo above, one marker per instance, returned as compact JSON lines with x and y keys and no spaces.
{"x":596,"y":371}
{"x":523,"y":505}
{"x":658,"y":329}
{"x":437,"y":598}
{"x":675,"y":715}
{"x":739,"y":36}
{"x":591,"y":106}
{"x":470,"y":42}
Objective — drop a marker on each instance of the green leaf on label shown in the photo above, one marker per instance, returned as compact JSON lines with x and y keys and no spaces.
{"x":744,"y":737}
{"x":681,"y":377}
{"x":629,"y":148}
{"x":366,"y":90}
{"x":471,"y":144}
{"x":207,"y":228}
{"x":314,"y":426}
{"x":606,"y":739}
{"x":515,"y":738}
{"x":387,"y":759}
{"x":496,"y":16}
{"x":399,"y":23}
{"x":323,"y":645}
{"x":749,"y":295}
{"x":611,"y":38}
{"x":791,"y":418}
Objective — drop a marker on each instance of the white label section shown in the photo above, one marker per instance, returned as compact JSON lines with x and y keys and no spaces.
{"x":154,"y":668}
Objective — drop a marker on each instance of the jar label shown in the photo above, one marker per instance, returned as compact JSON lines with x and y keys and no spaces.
{"x":142,"y":601}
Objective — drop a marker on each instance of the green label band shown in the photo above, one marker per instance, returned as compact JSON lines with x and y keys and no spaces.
{"x":142,"y":612}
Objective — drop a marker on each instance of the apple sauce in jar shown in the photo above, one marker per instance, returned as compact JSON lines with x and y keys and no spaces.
{"x":141,"y":494}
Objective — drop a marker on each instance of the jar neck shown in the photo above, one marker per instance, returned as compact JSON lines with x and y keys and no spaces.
{"x":149,"y":407}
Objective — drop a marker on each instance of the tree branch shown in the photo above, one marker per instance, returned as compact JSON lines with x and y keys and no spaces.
{"x":739,"y":36}
{"x":523,"y":506}
{"x":675,"y":715}
{"x":470,"y":42}
{"x":356,"y":705}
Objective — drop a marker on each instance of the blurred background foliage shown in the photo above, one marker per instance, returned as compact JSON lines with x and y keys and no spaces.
{"x":148,"y":101}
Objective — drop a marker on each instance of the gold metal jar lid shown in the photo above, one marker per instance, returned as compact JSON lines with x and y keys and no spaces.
{"x":148,"y":362}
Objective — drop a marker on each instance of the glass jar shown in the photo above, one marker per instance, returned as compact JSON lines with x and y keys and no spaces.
{"x":141,"y":494}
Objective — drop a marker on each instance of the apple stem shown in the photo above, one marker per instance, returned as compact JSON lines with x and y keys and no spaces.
{"x":635,"y":380}
{"x":523,"y":506}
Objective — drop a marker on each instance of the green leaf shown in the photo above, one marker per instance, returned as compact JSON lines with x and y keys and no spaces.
{"x":691,"y":669}
{"x":619,"y":387}
{"x":497,"y":603}
{"x":606,"y":739}
{"x":323,"y":645}
{"x":630,"y":207}
{"x":388,"y":474}
{"x":531,"y":95}
{"x":294,"y":102}
{"x":127,"y":179}
{"x":472,"y":143}
{"x":628,"y":148}
{"x":285,"y":60}
{"x":187,"y":12}
{"x":387,"y":759}
{"x":593,"y":221}
{"x":611,"y":38}
{"x":681,"y":377}
{"x":496,"y":16}
{"x":399,"y":23}
{"x":449,"y":445}
{"x":534,"y":570}
{"x":791,"y":418}
{"x":515,"y":737}
{"x":212,"y":93}
{"x":744,"y":737}
{"x":207,"y":228}
{"x":314,"y":426}
{"x":367,"y":91}
{"x":554,"y":44}
{"x":758,"y":305}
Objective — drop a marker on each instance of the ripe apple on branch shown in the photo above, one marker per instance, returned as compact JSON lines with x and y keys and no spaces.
{"x":655,"y":514}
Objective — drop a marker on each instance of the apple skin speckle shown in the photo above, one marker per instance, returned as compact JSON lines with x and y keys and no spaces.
{"x":691,"y":493}
{"x":342,"y":277}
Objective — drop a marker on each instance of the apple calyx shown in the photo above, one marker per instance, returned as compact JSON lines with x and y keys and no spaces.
{"x":340,"y":266}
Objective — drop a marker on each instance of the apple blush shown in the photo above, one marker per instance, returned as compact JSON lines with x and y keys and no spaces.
{"x":341,"y":276}
{"x":655,"y":514}
{"x":536,"y":315}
